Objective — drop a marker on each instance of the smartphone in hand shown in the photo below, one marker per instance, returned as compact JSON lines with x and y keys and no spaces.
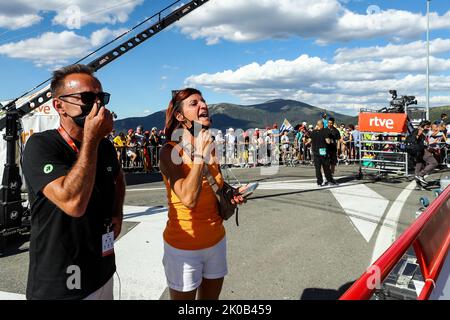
{"x":249,"y":189}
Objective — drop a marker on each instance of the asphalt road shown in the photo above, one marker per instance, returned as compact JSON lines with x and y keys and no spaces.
{"x":294,"y":241}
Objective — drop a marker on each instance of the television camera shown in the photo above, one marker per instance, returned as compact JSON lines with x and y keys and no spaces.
{"x":398,"y":105}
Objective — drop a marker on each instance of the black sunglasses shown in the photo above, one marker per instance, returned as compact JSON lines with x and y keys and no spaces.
{"x":89,"y":98}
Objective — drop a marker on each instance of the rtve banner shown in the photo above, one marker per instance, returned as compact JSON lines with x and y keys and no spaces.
{"x":382,"y":122}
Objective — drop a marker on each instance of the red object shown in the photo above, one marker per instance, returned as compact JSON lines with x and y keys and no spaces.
{"x":68,"y":139}
{"x":430,"y":237}
{"x":382,"y":122}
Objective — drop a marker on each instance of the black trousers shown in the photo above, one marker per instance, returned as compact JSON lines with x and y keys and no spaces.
{"x":322,"y":162}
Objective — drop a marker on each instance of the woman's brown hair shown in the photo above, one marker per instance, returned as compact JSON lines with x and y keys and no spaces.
{"x":175,"y":106}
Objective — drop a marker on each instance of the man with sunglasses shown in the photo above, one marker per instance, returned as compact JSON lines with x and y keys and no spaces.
{"x":76,"y":190}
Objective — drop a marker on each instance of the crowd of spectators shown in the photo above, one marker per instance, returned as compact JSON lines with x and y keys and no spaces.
{"x":139,"y":149}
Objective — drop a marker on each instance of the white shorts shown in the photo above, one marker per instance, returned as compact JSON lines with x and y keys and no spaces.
{"x":185,"y":269}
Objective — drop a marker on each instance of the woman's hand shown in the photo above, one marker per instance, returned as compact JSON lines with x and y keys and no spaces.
{"x":238,"y":199}
{"x":203,"y":143}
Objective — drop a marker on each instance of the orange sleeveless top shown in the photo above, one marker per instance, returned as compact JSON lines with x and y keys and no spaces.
{"x":200,"y":227}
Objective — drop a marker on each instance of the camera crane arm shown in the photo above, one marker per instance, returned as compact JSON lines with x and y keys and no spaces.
{"x":110,"y":56}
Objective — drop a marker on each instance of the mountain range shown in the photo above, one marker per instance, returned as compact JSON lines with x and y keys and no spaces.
{"x":226,"y":115}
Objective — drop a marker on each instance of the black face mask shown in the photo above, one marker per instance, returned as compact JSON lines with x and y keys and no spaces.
{"x":194,"y":129}
{"x":80,"y":119}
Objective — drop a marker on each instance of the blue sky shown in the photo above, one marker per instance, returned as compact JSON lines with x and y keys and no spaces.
{"x":338,"y":55}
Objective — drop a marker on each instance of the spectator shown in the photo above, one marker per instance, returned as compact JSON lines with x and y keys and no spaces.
{"x":131,"y":148}
{"x":220,"y":149}
{"x":194,"y":238}
{"x":334,"y":136}
{"x":162,"y":137}
{"x":230,"y":144}
{"x":298,"y":142}
{"x":355,"y":141}
{"x":111,"y":135}
{"x":324,"y":120}
{"x":276,"y":142}
{"x":139,"y":134}
{"x":120,"y":143}
{"x":76,"y":190}
{"x":148,"y":166}
{"x":307,"y":156}
{"x":435,"y":140}
{"x":270,"y":145}
{"x":155,"y":145}
{"x":258,"y":143}
{"x":285,"y":146}
{"x":246,"y":148}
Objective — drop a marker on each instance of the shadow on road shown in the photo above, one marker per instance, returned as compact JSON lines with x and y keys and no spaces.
{"x":14,"y":245}
{"x":325,"y":294}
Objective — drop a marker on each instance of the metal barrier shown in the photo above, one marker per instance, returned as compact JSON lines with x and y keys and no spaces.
{"x":374,"y":158}
{"x":430,"y":237}
{"x":146,"y":158}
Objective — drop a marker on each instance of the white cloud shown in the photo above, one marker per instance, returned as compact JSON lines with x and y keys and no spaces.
{"x":325,"y":20}
{"x":412,"y":49}
{"x":18,"y":22}
{"x":101,"y":36}
{"x":312,"y":71}
{"x":344,"y":85}
{"x":55,"y":49}
{"x":23,"y":13}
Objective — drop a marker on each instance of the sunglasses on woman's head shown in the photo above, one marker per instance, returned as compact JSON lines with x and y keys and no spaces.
{"x":89,"y":98}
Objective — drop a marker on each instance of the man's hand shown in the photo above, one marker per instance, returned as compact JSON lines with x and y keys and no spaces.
{"x":98,"y":124}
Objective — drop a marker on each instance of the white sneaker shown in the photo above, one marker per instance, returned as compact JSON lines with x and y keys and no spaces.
{"x":421,"y":179}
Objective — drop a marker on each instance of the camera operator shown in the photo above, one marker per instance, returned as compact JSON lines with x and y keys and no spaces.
{"x":425,"y":161}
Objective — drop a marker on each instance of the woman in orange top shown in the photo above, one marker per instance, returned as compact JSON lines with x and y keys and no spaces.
{"x":194,"y":238}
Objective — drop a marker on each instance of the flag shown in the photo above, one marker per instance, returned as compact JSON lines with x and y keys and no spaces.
{"x":286,"y":126}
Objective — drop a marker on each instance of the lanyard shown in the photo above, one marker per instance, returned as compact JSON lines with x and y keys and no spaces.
{"x":68,"y":139}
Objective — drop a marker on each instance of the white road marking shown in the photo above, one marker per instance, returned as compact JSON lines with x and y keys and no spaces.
{"x":139,"y":255}
{"x":364,"y":207}
{"x":386,"y":235}
{"x":11,"y":296}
